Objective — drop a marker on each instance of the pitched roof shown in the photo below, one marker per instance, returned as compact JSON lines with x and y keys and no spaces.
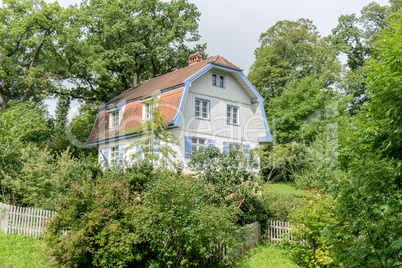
{"x":171,"y":86}
{"x":132,"y":117}
{"x":166,"y":81}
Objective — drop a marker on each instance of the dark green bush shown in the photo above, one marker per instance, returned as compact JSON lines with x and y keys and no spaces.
{"x":233,"y":179}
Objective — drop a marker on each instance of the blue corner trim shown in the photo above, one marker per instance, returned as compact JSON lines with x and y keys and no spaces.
{"x":93,"y":125}
{"x":188,"y":81}
{"x":121,"y":104}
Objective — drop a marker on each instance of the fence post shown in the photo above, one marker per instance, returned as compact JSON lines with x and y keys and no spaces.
{"x":4,"y":217}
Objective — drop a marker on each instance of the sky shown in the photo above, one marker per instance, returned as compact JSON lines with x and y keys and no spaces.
{"x":231,"y":28}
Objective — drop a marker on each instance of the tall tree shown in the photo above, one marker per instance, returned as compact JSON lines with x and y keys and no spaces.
{"x":31,"y":35}
{"x":291,"y":50}
{"x":126,"y":42}
{"x":62,"y":108}
{"x":355,"y":37}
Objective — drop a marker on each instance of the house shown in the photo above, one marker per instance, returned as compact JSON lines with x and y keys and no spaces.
{"x":207,"y":103}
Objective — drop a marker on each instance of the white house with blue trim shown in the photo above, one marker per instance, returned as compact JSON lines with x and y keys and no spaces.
{"x":208,"y":103}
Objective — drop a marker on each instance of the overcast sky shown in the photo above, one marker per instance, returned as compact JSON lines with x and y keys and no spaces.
{"x":231,"y":28}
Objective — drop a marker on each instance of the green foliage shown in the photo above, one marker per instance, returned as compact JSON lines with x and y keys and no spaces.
{"x":299,"y":113}
{"x":126,"y":42}
{"x":44,"y":179}
{"x":233,"y":179}
{"x":310,"y":219}
{"x":96,"y":224}
{"x":180,"y":215}
{"x":140,"y":217}
{"x":101,"y":48}
{"x":280,"y":199}
{"x":22,"y":251}
{"x":291,"y":50}
{"x":356,"y":37}
{"x":33,"y":35}
{"x":21,"y":124}
{"x":384,"y":77}
{"x":277,"y":160}
{"x":267,"y":255}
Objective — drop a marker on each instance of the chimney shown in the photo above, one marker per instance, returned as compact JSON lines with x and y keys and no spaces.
{"x":194,"y":58}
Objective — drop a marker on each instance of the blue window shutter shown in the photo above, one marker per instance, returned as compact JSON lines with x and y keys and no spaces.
{"x":139,"y":154}
{"x":246,"y":149}
{"x":156,"y":148}
{"x":225,"y":146}
{"x":187,"y":146}
{"x":105,"y":156}
{"x":120,"y":154}
{"x":211,"y":143}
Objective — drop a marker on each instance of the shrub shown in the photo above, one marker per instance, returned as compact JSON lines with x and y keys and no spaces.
{"x":233,"y":179}
{"x":97,"y":224}
{"x":183,"y":226}
{"x":311,"y":218}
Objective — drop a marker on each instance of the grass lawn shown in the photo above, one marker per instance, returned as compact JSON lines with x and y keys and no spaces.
{"x":284,"y":189}
{"x":267,"y":255}
{"x":22,"y":251}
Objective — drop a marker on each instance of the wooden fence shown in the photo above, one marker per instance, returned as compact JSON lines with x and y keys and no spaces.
{"x":20,"y":220}
{"x":280,"y":231}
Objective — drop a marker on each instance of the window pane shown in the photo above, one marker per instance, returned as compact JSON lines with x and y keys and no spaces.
{"x":201,"y":141}
{"x":194,"y":148}
{"x":214,"y":79}
{"x":204,"y":104}
{"x":221,"y":84}
{"x":204,"y":115}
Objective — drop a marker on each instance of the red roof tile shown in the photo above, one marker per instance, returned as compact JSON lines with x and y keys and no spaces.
{"x":165,"y":81}
{"x":132,"y":116}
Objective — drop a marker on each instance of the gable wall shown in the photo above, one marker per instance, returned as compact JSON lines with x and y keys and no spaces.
{"x":251,"y":124}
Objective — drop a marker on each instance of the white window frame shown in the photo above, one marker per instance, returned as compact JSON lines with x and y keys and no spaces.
{"x":147,"y":111}
{"x":199,"y":113}
{"x":114,"y":119}
{"x":198,"y":144}
{"x":232,"y":114}
{"x":114,"y":154}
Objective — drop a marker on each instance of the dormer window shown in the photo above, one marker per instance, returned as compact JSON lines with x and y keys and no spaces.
{"x":218,"y":80}
{"x":114,"y":119}
{"x":148,"y":111}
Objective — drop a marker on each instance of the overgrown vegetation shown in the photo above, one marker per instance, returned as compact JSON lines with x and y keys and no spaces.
{"x":336,"y":136}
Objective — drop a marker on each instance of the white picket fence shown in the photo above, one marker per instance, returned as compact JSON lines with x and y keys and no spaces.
{"x":20,"y":220}
{"x":279,"y":231}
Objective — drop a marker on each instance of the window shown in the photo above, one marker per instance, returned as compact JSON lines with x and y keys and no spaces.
{"x":198,"y":144}
{"x":233,"y":115}
{"x":218,"y":80}
{"x":114,"y":154}
{"x":148,"y":110}
{"x":202,"y":109}
{"x":114,"y":119}
{"x":234,"y":146}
